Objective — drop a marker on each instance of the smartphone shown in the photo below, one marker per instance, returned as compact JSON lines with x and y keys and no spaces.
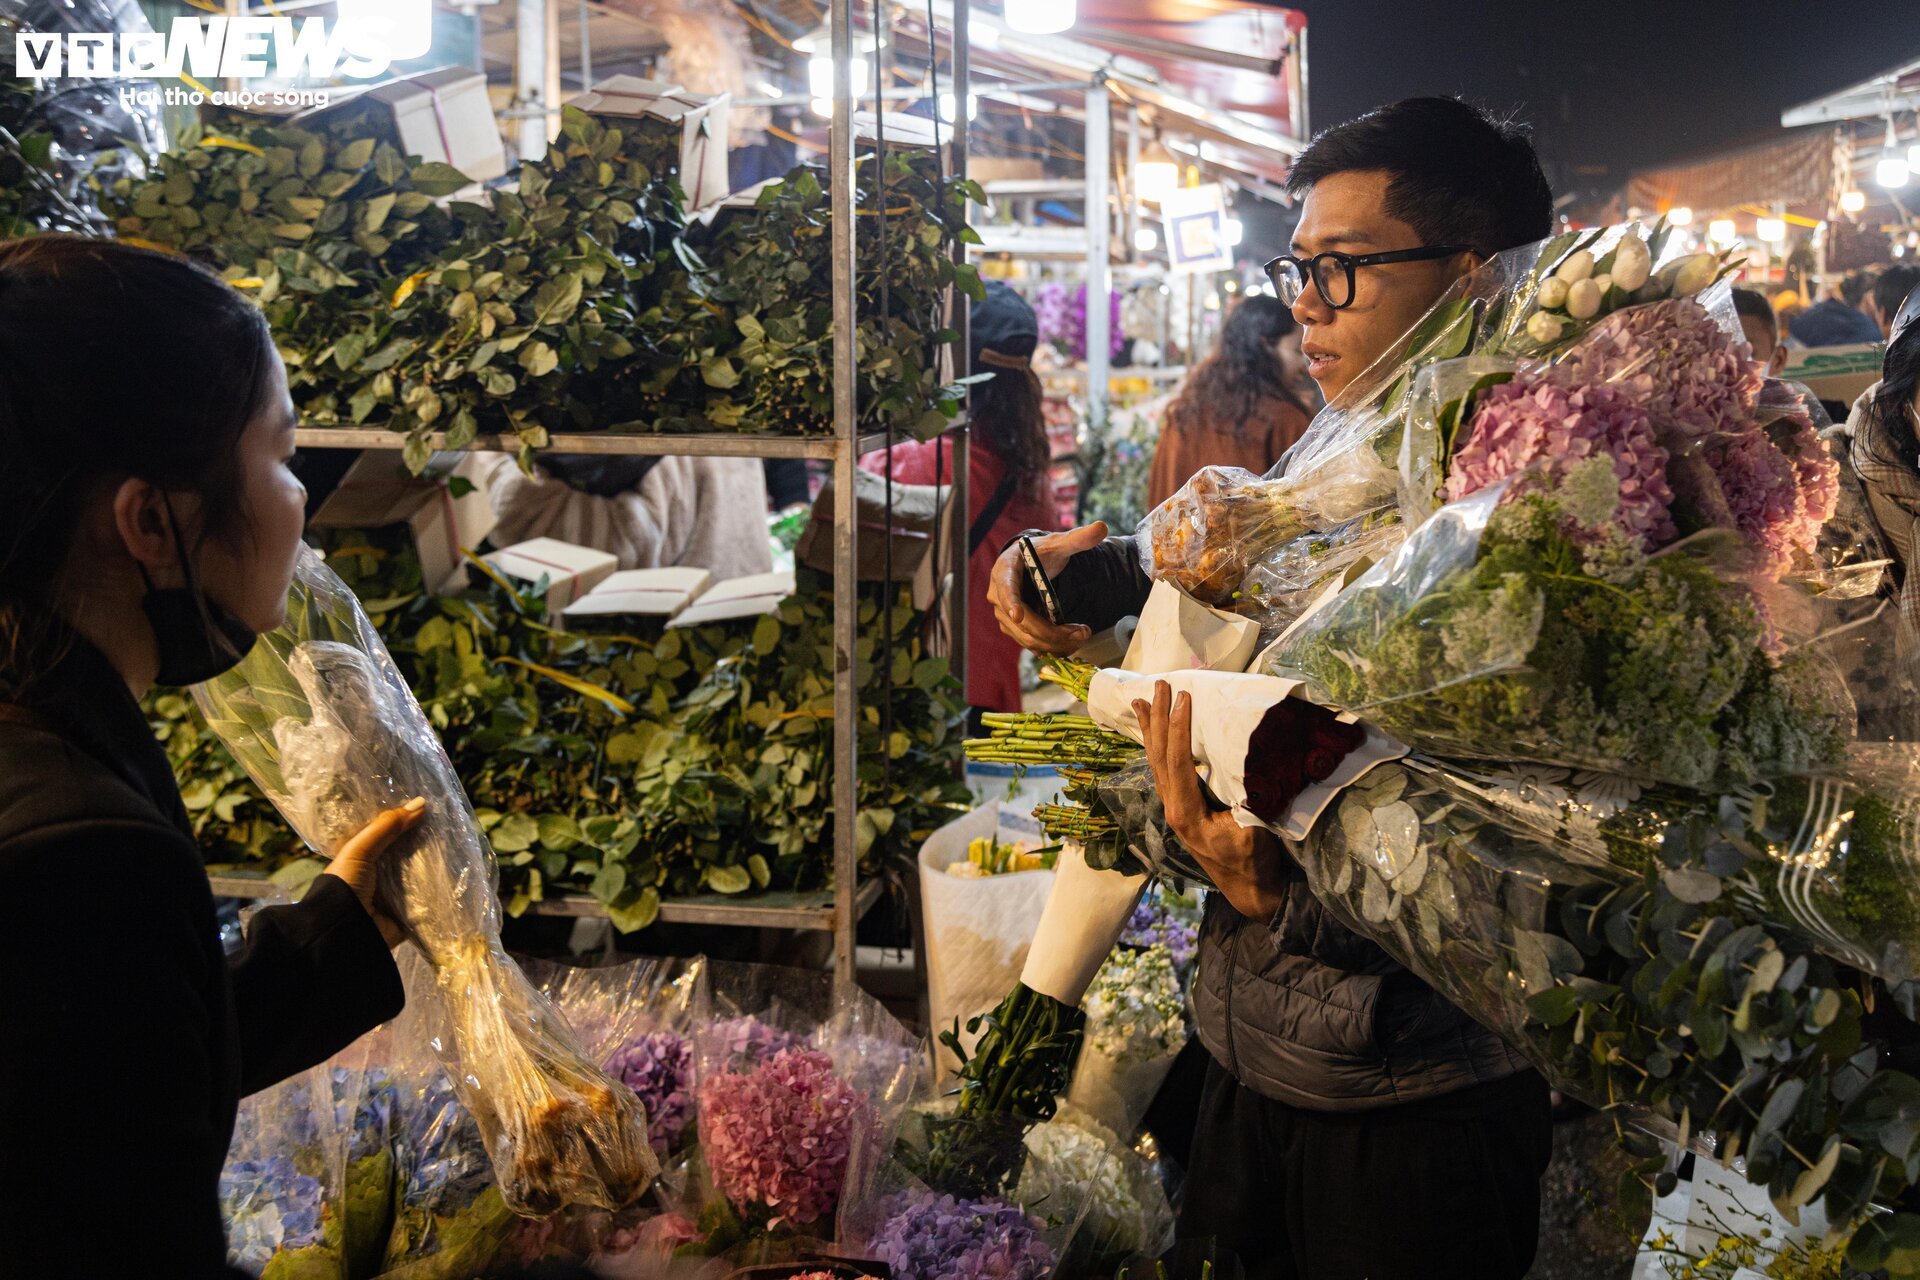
{"x":1038,"y":588}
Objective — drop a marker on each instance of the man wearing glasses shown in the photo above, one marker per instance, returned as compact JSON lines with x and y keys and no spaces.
{"x":1353,"y":1124}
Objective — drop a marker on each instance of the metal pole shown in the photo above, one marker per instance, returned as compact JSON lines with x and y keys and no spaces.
{"x":1132,"y":196}
{"x":586,"y":49}
{"x":1099,"y":233}
{"x":957,"y":601}
{"x":536,"y":75}
{"x":846,"y":586}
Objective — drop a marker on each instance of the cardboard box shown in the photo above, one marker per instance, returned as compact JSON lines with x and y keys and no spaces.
{"x":918,"y":509}
{"x":444,"y":114}
{"x":702,"y":121}
{"x":1836,"y":373}
{"x":643,"y":592}
{"x":570,"y":571}
{"x":378,"y":490}
{"x":747,"y":597}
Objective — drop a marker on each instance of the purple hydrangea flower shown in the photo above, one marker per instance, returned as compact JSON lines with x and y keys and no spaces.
{"x":658,"y":1067}
{"x":749,"y":1039}
{"x":1671,"y":358}
{"x":1541,"y":426}
{"x":937,"y":1237}
{"x":779,"y":1135}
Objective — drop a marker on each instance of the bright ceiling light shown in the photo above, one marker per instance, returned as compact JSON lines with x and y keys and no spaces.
{"x":1771,"y":230}
{"x":1852,"y":201}
{"x":1722,"y":231}
{"x":1680,"y":216}
{"x":1041,"y":17}
{"x":946,"y":106}
{"x":983,"y":34}
{"x":1145,"y":240}
{"x":1893,"y":169}
{"x":1236,"y":231}
{"x":1156,"y":175}
{"x":820,"y":77}
{"x":820,"y":40}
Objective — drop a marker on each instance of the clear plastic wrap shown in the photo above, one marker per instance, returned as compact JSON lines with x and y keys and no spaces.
{"x":307,"y":1188}
{"x":802,"y":1086}
{"x":1075,"y":1157}
{"x":1136,"y":1026}
{"x":325,"y":725}
{"x":62,"y":137}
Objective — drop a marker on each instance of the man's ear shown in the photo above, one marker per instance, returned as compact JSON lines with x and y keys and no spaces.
{"x":1778,"y":360}
{"x":145,"y":524}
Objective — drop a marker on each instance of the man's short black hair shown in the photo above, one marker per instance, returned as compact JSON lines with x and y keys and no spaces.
{"x":1751,"y":302}
{"x":1891,"y":288}
{"x":1855,"y":288}
{"x":1460,"y":176}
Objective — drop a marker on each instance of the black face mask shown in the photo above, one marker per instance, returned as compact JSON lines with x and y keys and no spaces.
{"x":197,"y":638}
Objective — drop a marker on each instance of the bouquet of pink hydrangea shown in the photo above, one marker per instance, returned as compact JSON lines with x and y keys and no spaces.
{"x":778,"y":1135}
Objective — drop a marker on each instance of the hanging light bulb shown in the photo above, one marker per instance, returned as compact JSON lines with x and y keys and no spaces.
{"x":1771,"y":230}
{"x":1852,"y":201}
{"x":946,"y":106}
{"x":1146,"y":240}
{"x":1236,"y":231}
{"x":404,"y":26}
{"x":1680,"y":216}
{"x":1156,"y":175}
{"x":1042,"y":17}
{"x":820,"y":80}
{"x":1722,"y":232}
{"x":1892,"y":171}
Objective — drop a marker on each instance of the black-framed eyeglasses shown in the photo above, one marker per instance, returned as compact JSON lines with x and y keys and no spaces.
{"x":1332,"y":273}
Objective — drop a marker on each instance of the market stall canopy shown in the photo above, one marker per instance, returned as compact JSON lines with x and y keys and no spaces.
{"x":1794,"y":169}
{"x":1894,"y":90}
{"x":1229,"y":55}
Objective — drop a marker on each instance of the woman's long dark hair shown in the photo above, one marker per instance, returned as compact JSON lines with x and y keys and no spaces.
{"x":115,"y":362}
{"x":1006,"y":418}
{"x":1229,"y":387}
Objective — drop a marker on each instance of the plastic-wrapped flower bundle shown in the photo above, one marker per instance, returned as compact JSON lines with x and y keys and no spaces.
{"x":1162,"y":921}
{"x":1692,"y":375}
{"x":658,"y":1067}
{"x":924,"y":1236}
{"x":272,"y":1210}
{"x":450,"y":1217}
{"x":1136,"y":1026}
{"x":778,"y":1135}
{"x":1074,"y":1160}
{"x":325,"y":725}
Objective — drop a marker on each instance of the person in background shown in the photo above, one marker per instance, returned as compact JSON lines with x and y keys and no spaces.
{"x":1837,"y":321}
{"x":1889,"y":290}
{"x":1353,"y":1122}
{"x":709,"y":513}
{"x":1884,"y":428}
{"x":1236,"y":408}
{"x":1009,"y":487}
{"x":149,"y":524}
{"x":1762,"y":328}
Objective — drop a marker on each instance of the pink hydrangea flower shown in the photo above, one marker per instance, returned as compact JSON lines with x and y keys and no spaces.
{"x":1691,"y":377}
{"x":1542,"y":425}
{"x":779,"y":1135}
{"x":1760,"y":490}
{"x":1814,"y":465}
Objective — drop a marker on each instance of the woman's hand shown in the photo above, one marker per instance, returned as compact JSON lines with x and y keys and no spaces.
{"x":1246,"y":863}
{"x":1030,"y":628}
{"x":358,"y":860}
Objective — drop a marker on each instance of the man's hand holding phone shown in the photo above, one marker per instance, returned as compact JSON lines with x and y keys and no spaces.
{"x":1017,"y":599}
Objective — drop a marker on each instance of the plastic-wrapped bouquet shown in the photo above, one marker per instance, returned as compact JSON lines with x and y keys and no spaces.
{"x":928,"y":1236}
{"x":1167,"y":918}
{"x":328,"y":729}
{"x":658,"y":1067}
{"x":1136,"y":1026}
{"x":801,"y":1084}
{"x":1074,"y":1159}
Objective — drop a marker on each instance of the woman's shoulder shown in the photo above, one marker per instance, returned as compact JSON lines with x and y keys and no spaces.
{"x":52,"y":792}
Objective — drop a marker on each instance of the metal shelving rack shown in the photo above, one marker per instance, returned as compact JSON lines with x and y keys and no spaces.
{"x":826,"y":910}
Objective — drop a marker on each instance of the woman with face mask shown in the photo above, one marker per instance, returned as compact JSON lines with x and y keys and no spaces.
{"x":148,"y":528}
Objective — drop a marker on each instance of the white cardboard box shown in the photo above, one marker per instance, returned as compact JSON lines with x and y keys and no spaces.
{"x":702,"y":120}
{"x":378,"y":490}
{"x":570,"y":571}
{"x":747,"y":597}
{"x":653,"y":592}
{"x":446,"y":115}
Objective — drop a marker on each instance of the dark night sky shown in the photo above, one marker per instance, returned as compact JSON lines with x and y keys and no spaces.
{"x":1617,"y":85}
